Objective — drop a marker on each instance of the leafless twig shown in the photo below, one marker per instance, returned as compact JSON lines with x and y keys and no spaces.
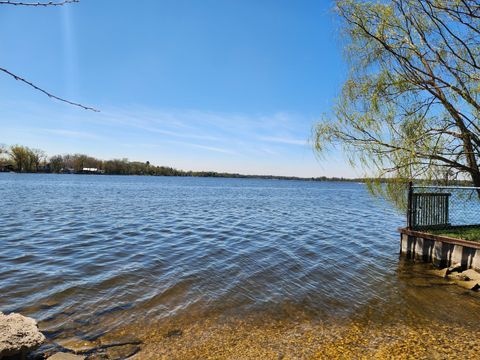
{"x":49,"y":3}
{"x":16,"y":77}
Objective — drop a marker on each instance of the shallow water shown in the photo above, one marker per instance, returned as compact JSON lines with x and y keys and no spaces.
{"x":89,"y":254}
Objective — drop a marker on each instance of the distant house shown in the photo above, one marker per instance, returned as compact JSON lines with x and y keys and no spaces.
{"x":90,"y":170}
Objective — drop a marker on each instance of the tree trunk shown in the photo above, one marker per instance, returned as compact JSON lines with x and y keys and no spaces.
{"x":476,"y":181}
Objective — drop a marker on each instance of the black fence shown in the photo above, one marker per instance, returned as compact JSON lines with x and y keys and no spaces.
{"x":442,"y":207}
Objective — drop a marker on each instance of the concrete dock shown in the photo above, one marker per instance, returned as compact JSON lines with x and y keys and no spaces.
{"x":440,"y":250}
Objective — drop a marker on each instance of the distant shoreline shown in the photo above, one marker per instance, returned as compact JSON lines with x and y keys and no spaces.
{"x":210,"y":175}
{"x":23,"y":159}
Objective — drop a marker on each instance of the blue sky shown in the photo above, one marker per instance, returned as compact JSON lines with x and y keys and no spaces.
{"x":224,"y":85}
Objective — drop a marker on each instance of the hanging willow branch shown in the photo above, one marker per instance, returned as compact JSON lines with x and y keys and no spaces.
{"x":50,"y":95}
{"x":410,"y":106}
{"x":50,"y":3}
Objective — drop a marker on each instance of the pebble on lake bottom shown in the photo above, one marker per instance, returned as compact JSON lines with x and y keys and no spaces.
{"x":278,"y":339}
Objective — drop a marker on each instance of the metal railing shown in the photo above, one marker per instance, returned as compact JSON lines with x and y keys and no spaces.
{"x":438,"y":207}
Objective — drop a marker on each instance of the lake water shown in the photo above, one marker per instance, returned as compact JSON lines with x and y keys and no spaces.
{"x":90,"y":254}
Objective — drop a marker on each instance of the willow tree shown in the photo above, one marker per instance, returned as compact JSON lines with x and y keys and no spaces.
{"x":410,"y":106}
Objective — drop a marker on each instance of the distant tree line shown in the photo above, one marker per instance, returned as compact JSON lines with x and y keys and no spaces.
{"x":18,"y":158}
{"x":24,"y":159}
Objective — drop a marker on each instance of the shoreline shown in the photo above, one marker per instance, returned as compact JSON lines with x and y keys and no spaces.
{"x":377,"y":329}
{"x":270,"y":336}
{"x":218,"y":176}
{"x":278,"y":339}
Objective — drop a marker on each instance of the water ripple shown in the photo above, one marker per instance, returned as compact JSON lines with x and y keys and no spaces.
{"x":76,"y":249}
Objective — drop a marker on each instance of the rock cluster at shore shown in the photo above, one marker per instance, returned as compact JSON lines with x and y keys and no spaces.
{"x":19,"y":335}
{"x":21,"y":339}
{"x":468,"y":279}
{"x":80,"y":349}
{"x":381,"y":336}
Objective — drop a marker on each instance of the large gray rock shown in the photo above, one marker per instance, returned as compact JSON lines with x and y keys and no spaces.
{"x":18,"y":335}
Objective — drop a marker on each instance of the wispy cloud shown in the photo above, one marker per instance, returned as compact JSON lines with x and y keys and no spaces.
{"x":206,"y":147}
{"x":246,"y":135}
{"x":71,"y":133}
{"x":212,"y":148}
{"x":226,"y":133}
{"x":283,"y":140}
{"x":268,"y":151}
{"x":159,"y":122}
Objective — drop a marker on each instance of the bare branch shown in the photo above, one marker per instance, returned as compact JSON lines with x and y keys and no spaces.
{"x":16,"y":77}
{"x":50,"y":3}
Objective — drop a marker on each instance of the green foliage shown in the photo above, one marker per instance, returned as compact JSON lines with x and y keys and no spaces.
{"x":25,"y":159}
{"x":466,"y":233}
{"x":409,"y":109}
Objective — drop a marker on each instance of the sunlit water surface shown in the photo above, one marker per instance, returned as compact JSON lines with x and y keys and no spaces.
{"x":88,"y":254}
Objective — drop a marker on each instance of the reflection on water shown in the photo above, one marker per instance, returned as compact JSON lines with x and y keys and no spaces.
{"x":90,"y":254}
